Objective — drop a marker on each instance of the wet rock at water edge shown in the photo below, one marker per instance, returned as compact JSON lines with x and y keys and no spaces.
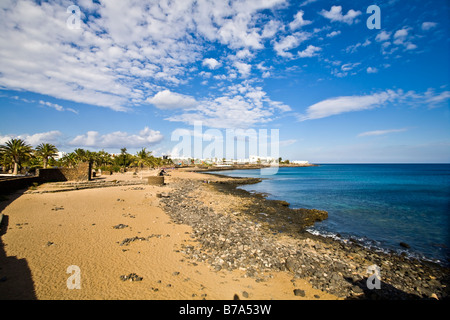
{"x":405,"y":245}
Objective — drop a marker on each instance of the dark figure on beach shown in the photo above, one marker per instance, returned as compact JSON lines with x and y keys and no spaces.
{"x":163,"y":173}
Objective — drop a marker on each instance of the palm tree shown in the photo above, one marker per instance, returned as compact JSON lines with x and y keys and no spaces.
{"x":104,"y":158}
{"x":69,"y":160}
{"x":46,"y":151}
{"x":17,"y":150}
{"x":80,"y":154}
{"x":124,"y":159}
{"x":143,"y":157}
{"x":5,"y":161}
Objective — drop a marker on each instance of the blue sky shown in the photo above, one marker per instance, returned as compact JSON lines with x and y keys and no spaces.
{"x":136,"y":71}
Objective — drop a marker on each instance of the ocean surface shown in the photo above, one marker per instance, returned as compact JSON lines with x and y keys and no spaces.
{"x":379,"y":205}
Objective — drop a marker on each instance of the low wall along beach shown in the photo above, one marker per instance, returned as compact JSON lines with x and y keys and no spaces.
{"x":81,"y":173}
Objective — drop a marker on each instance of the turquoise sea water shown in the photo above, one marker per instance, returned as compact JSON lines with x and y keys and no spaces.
{"x":378,"y":204}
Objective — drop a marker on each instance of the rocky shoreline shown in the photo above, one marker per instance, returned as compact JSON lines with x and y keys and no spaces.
{"x":239,"y":230}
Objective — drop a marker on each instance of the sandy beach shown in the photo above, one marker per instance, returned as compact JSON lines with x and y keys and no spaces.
{"x":113,"y":232}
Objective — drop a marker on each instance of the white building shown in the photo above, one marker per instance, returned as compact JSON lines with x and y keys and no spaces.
{"x":299,"y":162}
{"x":59,"y":155}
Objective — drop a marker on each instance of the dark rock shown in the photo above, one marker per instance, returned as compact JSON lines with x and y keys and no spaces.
{"x":299,"y":292}
{"x":120,"y":226}
{"x":127,"y":241}
{"x":131,"y":277}
{"x":405,"y":245}
{"x":291,"y":264}
{"x":245,"y":294}
{"x":235,"y":297}
{"x":282,"y":203}
{"x":357,"y":289}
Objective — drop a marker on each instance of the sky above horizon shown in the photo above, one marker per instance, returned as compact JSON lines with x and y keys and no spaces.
{"x":132,"y":73}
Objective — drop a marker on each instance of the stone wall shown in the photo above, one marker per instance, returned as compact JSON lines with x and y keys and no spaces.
{"x":155,"y":180}
{"x":12,"y":184}
{"x":81,"y":173}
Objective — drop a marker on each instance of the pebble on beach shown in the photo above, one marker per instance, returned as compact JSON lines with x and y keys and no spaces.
{"x":131,"y":277}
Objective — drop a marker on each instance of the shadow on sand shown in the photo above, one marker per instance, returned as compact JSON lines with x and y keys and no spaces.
{"x":386,"y":292}
{"x":15,"y":275}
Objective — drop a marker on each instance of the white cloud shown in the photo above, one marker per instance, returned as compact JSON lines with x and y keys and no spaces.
{"x":285,"y":143}
{"x":205,"y":74}
{"x":310,"y":51}
{"x":244,"y":54}
{"x":383,"y":36}
{"x":211,"y":63}
{"x":52,"y":105}
{"x":410,"y":46}
{"x":124,"y":51}
{"x":345,"y":69}
{"x":241,"y":106}
{"x":35,"y":139}
{"x":338,"y":105}
{"x":169,"y":100}
{"x":118,"y":139}
{"x":381,"y":132}
{"x":371,"y":70}
{"x":56,"y":106}
{"x":243,"y":68}
{"x":433,"y":99}
{"x":239,"y":31}
{"x":428,"y":25}
{"x":402,"y":33}
{"x":306,"y":2}
{"x":290,"y":42}
{"x":353,"y":48}
{"x":298,"y":21}
{"x":402,"y":38}
{"x":333,"y":34}
{"x":335,"y":14}
{"x":349,"y":66}
{"x":271,"y":28}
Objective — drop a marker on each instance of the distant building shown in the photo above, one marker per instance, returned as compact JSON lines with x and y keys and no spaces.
{"x":262,"y":160}
{"x":60,"y":154}
{"x":224,"y":161}
{"x":299,"y":162}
